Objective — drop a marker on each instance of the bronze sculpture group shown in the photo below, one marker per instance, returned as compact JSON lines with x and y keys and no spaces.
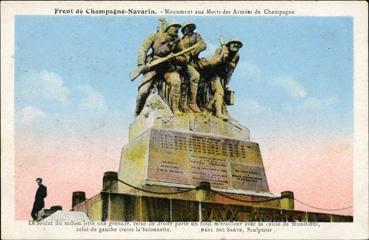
{"x":186,"y":82}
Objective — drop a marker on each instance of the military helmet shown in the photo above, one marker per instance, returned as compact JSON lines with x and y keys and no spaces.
{"x":171,"y":24}
{"x":235,"y":40}
{"x":188,"y":24}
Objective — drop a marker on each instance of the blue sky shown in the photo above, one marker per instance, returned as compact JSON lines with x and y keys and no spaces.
{"x":294,"y":72}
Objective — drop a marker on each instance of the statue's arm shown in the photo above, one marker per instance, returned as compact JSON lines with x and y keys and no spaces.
{"x":234,"y":62}
{"x":201,"y":45}
{"x":231,"y":66}
{"x":142,"y":52}
{"x":216,"y":59}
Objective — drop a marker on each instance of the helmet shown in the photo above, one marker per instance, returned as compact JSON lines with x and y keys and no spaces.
{"x":171,"y":24}
{"x":188,"y":24}
{"x":235,"y":40}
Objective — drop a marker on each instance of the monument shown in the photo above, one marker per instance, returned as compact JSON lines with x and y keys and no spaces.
{"x":187,"y":159}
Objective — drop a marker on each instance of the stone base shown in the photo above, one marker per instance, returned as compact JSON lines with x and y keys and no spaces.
{"x":44,"y":213}
{"x":108,"y":206}
{"x":221,"y":196}
{"x":66,"y":216}
{"x":157,"y":114}
{"x":178,"y":159}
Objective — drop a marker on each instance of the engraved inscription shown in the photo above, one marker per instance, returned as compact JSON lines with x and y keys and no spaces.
{"x":189,"y":158}
{"x":248,"y":177}
{"x":209,"y":169}
{"x":169,"y":167}
{"x":216,"y":214}
{"x":198,"y":144}
{"x":212,"y":212}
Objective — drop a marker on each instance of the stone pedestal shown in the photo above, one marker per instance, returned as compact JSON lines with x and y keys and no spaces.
{"x":168,"y":153}
{"x":184,"y":159}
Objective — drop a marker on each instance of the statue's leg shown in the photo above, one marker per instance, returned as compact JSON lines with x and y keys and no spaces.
{"x":173,"y":78}
{"x":219,"y":99}
{"x":210,"y":91}
{"x":144,"y":91}
{"x":194,"y":83}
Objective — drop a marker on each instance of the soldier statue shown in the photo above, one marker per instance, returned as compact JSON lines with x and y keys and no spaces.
{"x":190,"y":38}
{"x":161,"y":44}
{"x":164,"y":56}
{"x":218,"y":71}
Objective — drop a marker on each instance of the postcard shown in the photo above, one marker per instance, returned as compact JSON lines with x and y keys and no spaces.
{"x":184,"y":120}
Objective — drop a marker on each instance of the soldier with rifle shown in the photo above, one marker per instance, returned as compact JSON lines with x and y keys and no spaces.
{"x":219,"y":69}
{"x":162,"y":61}
{"x":190,"y":38}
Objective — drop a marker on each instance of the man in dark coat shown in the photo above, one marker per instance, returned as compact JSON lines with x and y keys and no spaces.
{"x":39,"y":203}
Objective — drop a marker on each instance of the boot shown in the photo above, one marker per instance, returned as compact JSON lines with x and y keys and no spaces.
{"x":192,"y":104}
{"x":218,"y":110}
{"x":175,"y":104}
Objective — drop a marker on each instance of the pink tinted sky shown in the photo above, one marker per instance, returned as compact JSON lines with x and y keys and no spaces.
{"x":317,"y":169}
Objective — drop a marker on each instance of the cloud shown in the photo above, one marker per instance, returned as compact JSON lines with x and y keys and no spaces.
{"x":293,"y":87}
{"x":29,"y":115}
{"x":250,"y":107}
{"x":43,"y":84}
{"x":311,"y":104}
{"x":249,"y":71}
{"x":92,"y":99}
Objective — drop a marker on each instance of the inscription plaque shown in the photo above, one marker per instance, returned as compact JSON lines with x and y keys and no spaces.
{"x":248,"y":176}
{"x":210,"y":170}
{"x":189,"y":158}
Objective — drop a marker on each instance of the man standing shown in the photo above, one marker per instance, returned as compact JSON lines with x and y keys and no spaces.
{"x":39,"y":203}
{"x":219,"y":68}
{"x":161,"y":44}
{"x":189,"y":39}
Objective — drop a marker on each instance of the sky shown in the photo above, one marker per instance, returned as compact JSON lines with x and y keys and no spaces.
{"x":74,"y":100}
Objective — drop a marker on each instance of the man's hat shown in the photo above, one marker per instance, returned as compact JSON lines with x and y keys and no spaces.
{"x":171,"y":24}
{"x":235,"y":40}
{"x":188,"y":24}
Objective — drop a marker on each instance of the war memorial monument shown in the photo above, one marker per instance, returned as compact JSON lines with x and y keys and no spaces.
{"x":187,"y":159}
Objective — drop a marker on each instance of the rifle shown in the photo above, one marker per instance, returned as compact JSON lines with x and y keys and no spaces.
{"x":222,"y":41}
{"x":222,"y":44}
{"x":142,"y":69}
